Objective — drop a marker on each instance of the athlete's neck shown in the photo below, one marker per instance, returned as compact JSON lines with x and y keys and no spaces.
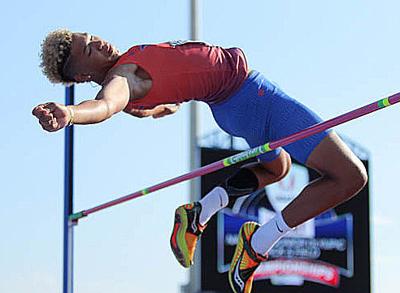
{"x":101,"y":75}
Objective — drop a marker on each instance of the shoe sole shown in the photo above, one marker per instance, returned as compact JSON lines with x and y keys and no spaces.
{"x":235,"y":259}
{"x":181,"y":250}
{"x":237,"y":256}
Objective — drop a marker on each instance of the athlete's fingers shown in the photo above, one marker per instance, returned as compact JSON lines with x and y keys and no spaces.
{"x":173,"y":107}
{"x":54,"y":124}
{"x":44,"y":114}
{"x":45,"y":123}
{"x":159,"y":111}
{"x":39,"y":110}
{"x":51,"y":106}
{"x":46,"y":126}
{"x":50,"y":126}
{"x":165,"y":110}
{"x":46,"y":117}
{"x":157,"y":115}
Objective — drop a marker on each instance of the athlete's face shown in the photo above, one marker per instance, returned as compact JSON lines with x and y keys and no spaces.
{"x":90,"y":56}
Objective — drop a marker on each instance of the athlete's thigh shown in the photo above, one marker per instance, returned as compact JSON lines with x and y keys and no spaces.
{"x":332,"y":156}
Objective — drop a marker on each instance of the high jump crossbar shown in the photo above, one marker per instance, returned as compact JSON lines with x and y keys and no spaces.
{"x":245,"y":155}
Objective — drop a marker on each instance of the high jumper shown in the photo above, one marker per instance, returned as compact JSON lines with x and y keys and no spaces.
{"x":153,"y":80}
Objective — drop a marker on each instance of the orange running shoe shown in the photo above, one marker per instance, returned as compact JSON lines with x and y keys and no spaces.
{"x":187,"y":231}
{"x":245,"y":260}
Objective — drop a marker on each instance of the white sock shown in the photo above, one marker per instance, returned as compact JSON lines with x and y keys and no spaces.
{"x":268,"y":234}
{"x":214,"y":201}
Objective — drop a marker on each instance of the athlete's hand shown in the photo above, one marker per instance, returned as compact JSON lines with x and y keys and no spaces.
{"x":164,"y":110}
{"x":52,"y":116}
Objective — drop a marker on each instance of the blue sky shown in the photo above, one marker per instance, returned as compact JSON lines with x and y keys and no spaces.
{"x":333,"y":56}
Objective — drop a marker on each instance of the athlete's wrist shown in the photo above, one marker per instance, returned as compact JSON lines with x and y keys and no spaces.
{"x":71,"y":115}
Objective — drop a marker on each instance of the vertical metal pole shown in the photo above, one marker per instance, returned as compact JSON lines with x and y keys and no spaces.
{"x":194,"y":161}
{"x":68,"y":199}
{"x":195,"y":272}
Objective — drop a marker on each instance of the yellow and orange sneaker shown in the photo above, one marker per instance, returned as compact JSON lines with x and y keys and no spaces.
{"x":187,"y":231}
{"x":245,"y":260}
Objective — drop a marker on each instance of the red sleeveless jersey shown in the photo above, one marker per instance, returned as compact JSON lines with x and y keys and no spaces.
{"x":184,"y":71}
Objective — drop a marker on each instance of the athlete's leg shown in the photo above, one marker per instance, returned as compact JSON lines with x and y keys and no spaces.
{"x":342,"y":176}
{"x":191,"y":219}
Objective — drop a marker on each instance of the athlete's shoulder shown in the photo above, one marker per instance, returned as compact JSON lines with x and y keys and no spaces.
{"x":177,"y":43}
{"x":168,"y":44}
{"x":147,"y":50}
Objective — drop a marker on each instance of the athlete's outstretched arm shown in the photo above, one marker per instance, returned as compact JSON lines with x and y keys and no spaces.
{"x":112,"y":98}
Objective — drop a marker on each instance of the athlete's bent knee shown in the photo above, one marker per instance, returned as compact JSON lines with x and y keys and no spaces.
{"x":357,"y":178}
{"x":351,"y":180}
{"x":280,"y":167}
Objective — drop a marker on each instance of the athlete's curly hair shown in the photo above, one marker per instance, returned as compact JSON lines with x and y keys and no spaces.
{"x":56,"y":48}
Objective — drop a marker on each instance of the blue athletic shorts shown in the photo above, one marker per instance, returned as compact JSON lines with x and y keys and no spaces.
{"x":260,"y":112}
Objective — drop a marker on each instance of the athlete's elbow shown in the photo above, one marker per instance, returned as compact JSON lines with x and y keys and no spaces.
{"x":109,"y":109}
